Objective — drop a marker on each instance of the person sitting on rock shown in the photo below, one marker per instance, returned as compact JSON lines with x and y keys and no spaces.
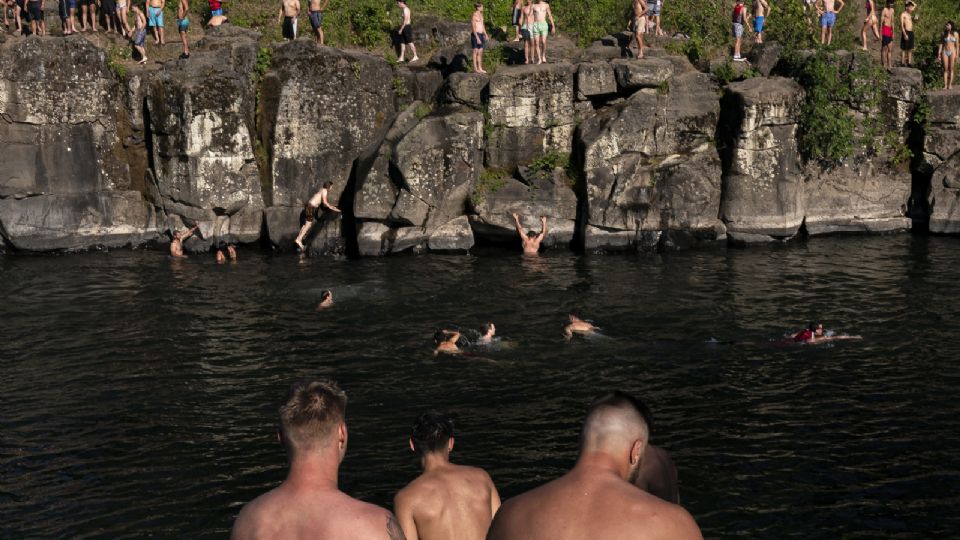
{"x":326,"y":300}
{"x":576,"y":325}
{"x":531,"y":240}
{"x":176,"y":245}
{"x":318,"y":200}
{"x":446,"y":341}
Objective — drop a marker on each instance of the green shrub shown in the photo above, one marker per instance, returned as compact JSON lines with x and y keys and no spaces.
{"x":550,"y":161}
{"x":490,"y":181}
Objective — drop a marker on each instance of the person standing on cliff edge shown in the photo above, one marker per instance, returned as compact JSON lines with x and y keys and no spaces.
{"x":906,"y":35}
{"x":183,"y":24}
{"x":886,"y":30}
{"x":287,"y":17}
{"x":155,"y":19}
{"x":540,"y":29}
{"x":446,"y":500}
{"x":318,"y":201}
{"x":828,"y":18}
{"x":406,"y":33}
{"x":531,"y":240}
{"x":740,"y":20}
{"x":478,"y":38}
{"x":315,"y":9}
{"x":639,"y":23}
{"x":139,"y":33}
{"x":309,"y":503}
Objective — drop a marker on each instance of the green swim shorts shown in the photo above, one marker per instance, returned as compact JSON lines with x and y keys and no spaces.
{"x":539,"y":29}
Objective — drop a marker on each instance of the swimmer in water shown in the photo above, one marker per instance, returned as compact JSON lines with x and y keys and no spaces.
{"x":232,"y":252}
{"x":221,"y":258}
{"x":446,"y":342}
{"x":326,"y":300}
{"x":813,"y":334}
{"x":531,"y":240}
{"x":577,"y":325}
{"x":487,"y":332}
{"x":176,"y":245}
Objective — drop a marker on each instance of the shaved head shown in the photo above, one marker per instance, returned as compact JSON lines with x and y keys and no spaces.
{"x":616,"y":426}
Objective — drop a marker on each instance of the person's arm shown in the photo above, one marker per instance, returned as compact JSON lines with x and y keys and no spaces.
{"x":280,"y":13}
{"x":553,"y":25}
{"x":816,"y":6}
{"x":494,"y":499}
{"x":839,"y":9}
{"x":405,"y":517}
{"x":568,"y":332}
{"x":189,"y":233}
{"x":323,"y":6}
{"x":516,"y":222}
{"x":452,"y":336}
{"x":325,"y":202}
{"x":543,"y":228}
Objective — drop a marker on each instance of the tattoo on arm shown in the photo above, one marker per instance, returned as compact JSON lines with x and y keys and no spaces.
{"x":394,"y":532}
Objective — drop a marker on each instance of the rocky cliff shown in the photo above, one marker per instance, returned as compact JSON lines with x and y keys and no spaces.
{"x":618,"y":153}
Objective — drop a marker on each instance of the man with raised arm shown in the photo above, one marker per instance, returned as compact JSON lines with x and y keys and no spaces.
{"x":176,"y":245}
{"x":531,"y":240}
{"x":309,"y":504}
{"x":447,"y":500}
{"x":596,"y":499}
{"x":317,"y":202}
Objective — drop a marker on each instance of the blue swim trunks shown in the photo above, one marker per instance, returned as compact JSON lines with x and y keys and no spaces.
{"x":828,"y":19}
{"x":183,"y":24}
{"x":478,"y":41}
{"x":758,"y":24}
{"x":154,"y":16}
{"x":216,"y":12}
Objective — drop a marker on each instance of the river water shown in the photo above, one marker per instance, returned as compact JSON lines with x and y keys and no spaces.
{"x":139,"y":394}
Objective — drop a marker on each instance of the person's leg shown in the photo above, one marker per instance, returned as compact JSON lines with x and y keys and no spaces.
{"x":823,"y":33}
{"x":543,"y":48}
{"x":143,"y":53}
{"x":863,"y":34}
{"x":946,"y":63}
{"x":94,"y":23}
{"x":160,"y":30}
{"x":953,"y":60}
{"x":876,"y":27}
{"x":403,"y":51}
{"x":829,"y":35}
{"x":413,"y":49}
{"x":303,"y":232}
{"x":736,"y":47}
{"x":480,"y":60}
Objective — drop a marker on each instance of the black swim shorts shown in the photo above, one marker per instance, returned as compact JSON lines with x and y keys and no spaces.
{"x":907,"y":41}
{"x":34,"y":11}
{"x":406,"y":36}
{"x":289,"y":28}
{"x":310,"y":213}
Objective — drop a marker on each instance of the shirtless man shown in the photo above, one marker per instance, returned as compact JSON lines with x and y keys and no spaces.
{"x":869,"y":22}
{"x":487,"y":331}
{"x":596,"y":498}
{"x":446,"y":341}
{"x":531,"y":240}
{"x":478,"y":37}
{"x":907,"y":40}
{"x":828,"y":18}
{"x":406,"y":33}
{"x":760,"y":8}
{"x":176,"y":245}
{"x":447,"y":500}
{"x":813,"y":334}
{"x":315,"y":9}
{"x":289,"y":11}
{"x":315,"y":203}
{"x":639,"y":24}
{"x":183,"y":25}
{"x":139,"y":33}
{"x":576,"y":325}
{"x":155,"y":19}
{"x":886,"y":31}
{"x":540,"y":12}
{"x":526,"y":23}
{"x":309,"y":504}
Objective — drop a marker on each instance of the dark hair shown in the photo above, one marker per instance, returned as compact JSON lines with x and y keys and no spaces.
{"x":327,"y":185}
{"x":575,"y":312}
{"x":619,"y":399}
{"x":431,"y":432}
{"x":532,"y":234}
{"x":325,"y":294}
{"x":813,"y":326}
{"x":310,"y":412}
{"x":478,"y":4}
{"x":486,"y":328}
{"x":439,"y":336}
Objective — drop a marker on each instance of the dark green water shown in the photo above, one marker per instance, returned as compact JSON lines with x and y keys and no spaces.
{"x":139,"y":394}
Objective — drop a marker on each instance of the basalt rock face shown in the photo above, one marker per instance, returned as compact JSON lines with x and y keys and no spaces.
{"x":867,"y":192}
{"x":650,"y":166}
{"x":531,"y":112}
{"x":412,"y":193}
{"x":64,"y":179}
{"x":321,"y":109}
{"x":763,"y":183}
{"x":942,"y":156}
{"x":202,"y":121}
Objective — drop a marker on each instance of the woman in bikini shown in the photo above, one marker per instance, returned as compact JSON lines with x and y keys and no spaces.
{"x":948,"y":53}
{"x":869,"y":22}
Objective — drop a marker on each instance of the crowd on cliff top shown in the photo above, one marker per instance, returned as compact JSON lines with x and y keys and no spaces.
{"x":620,"y":487}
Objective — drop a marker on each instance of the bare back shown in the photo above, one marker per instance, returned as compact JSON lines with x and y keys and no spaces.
{"x":584,"y":506}
{"x":451,"y":502}
{"x":286,"y":513}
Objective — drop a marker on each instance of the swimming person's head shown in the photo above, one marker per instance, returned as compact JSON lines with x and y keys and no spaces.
{"x":439,"y":336}
{"x":575,"y":314}
{"x":616,"y":427}
{"x":327,"y":185}
{"x":432,"y":432}
{"x":326,"y":295}
{"x":532,"y":234}
{"x":312,"y":417}
{"x":488,"y":328}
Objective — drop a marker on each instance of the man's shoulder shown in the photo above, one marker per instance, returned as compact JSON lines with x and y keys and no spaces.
{"x":655,"y":514}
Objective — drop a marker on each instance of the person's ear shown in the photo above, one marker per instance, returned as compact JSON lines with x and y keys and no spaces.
{"x":412,"y":448}
{"x":279,"y":436}
{"x":342,"y":436}
{"x":450,"y":445}
{"x":636,"y":451}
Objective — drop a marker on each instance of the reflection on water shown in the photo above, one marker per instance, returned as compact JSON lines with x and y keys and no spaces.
{"x":139,"y":393}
